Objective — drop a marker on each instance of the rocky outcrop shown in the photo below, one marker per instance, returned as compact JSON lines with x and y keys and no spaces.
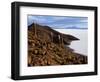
{"x":49,"y":47}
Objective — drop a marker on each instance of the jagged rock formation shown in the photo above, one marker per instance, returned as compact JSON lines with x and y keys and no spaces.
{"x":49,"y":47}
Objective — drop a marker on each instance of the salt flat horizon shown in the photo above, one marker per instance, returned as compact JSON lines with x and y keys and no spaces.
{"x":79,"y":46}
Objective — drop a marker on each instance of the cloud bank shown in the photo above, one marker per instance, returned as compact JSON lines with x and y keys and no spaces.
{"x":59,"y":22}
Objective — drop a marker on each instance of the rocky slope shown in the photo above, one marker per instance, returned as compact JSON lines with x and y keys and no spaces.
{"x":49,"y":47}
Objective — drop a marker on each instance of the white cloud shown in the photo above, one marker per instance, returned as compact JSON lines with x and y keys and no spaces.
{"x":59,"y":18}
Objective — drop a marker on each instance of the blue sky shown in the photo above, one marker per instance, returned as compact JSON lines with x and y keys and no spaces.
{"x":59,"y":22}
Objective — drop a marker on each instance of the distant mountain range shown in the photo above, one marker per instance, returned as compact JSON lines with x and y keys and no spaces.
{"x":73,"y":27}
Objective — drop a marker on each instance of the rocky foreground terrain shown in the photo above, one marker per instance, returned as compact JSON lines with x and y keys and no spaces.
{"x":48,"y":47}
